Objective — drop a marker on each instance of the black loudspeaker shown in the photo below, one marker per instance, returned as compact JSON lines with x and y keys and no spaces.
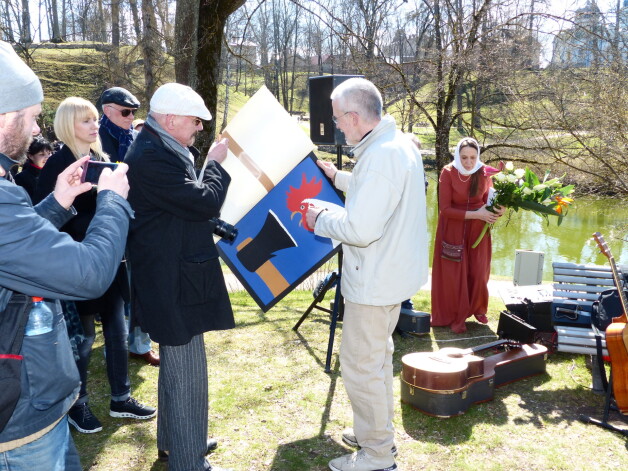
{"x":322,"y":128}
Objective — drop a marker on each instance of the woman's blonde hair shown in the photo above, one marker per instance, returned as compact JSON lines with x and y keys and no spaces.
{"x":71,"y":110}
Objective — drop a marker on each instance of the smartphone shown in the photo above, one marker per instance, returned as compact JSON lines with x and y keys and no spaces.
{"x":92,"y":170}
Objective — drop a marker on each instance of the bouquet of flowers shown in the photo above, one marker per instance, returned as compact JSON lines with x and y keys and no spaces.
{"x":521,"y":189}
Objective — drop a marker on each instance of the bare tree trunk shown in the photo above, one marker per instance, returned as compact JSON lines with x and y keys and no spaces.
{"x":102,"y":31}
{"x":115,"y":23}
{"x":7,"y":29}
{"x":56,"y":34}
{"x":150,"y":46}
{"x":212,"y":18}
{"x":186,"y":44}
{"x":137,"y":24}
{"x":64,"y":23}
{"x":25,"y":34}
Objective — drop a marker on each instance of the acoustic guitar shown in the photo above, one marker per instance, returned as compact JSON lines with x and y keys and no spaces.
{"x":617,"y":335}
{"x":447,"y":382}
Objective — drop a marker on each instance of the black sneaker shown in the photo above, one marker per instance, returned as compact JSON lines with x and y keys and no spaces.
{"x":81,"y":418}
{"x":131,"y":409}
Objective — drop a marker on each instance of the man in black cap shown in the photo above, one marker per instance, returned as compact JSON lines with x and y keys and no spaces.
{"x":116,"y":131}
{"x":116,"y":134}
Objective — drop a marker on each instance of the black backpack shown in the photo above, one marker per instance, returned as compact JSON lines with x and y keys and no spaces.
{"x":607,"y":306}
{"x":13,"y":320}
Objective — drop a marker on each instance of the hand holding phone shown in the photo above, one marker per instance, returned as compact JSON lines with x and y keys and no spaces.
{"x":69,"y":183}
{"x":92,"y":170}
{"x":115,"y":181}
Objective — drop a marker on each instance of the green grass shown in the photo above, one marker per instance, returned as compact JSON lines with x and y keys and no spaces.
{"x":272,"y":406}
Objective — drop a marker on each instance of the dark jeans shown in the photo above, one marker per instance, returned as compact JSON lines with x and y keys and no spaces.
{"x":116,"y":349}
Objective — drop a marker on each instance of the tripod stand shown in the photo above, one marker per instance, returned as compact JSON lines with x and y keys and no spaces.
{"x":333,"y":279}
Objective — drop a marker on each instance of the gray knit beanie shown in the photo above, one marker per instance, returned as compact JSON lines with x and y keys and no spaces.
{"x":19,"y":86}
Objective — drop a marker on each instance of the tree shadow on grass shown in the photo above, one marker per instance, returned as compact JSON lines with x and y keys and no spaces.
{"x":312,"y":453}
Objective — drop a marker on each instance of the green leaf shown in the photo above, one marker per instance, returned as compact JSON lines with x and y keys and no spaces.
{"x":531,"y":179}
{"x":539,"y":208}
{"x":566,"y":190}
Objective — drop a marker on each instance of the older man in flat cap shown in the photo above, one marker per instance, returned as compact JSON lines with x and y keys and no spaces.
{"x":116,"y":125}
{"x":39,"y":381}
{"x":116,"y":134}
{"x":177,"y":288}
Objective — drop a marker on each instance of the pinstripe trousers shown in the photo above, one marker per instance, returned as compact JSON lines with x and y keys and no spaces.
{"x":182,"y":398}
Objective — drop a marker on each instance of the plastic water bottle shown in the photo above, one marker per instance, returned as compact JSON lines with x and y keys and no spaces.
{"x":40,"y":318}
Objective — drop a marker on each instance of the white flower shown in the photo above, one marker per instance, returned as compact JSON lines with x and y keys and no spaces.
{"x":527,"y":191}
{"x":509,"y":166}
{"x":519,"y":173}
{"x":511,"y":178}
{"x":539,"y":187}
{"x":500,"y":177}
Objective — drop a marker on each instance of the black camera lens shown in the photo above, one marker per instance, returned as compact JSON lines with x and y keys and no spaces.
{"x":224,"y":230}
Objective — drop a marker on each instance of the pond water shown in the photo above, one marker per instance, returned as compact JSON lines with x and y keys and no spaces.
{"x":569,"y":242}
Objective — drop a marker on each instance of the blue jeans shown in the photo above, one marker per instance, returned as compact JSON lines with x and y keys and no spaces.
{"x":55,"y":451}
{"x":116,"y":350}
{"x":139,"y":341}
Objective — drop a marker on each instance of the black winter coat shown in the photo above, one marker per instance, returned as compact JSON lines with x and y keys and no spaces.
{"x":28,"y":177}
{"x":109,"y":144}
{"x":177,"y":287}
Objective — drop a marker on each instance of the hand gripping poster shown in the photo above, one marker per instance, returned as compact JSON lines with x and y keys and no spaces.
{"x":273,"y":174}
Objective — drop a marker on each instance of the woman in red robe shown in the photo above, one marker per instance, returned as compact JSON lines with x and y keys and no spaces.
{"x":459,"y":288}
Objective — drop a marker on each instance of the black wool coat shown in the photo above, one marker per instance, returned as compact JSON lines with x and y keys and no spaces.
{"x":177,"y":287}
{"x":28,"y":177}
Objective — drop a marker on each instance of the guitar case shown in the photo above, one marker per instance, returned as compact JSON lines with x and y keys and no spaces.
{"x":441,"y":385}
{"x":413,"y":322}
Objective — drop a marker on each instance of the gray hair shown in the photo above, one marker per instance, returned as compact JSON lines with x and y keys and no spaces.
{"x":360,"y":95}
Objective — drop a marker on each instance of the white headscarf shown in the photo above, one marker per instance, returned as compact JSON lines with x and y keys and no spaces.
{"x":458,"y":163}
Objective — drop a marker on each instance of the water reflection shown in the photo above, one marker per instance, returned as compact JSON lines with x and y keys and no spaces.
{"x":571,"y":242}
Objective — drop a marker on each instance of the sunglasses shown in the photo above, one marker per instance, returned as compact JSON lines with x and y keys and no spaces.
{"x":125,"y":112}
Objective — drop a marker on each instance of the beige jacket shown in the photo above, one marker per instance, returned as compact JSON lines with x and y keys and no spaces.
{"x":383,"y":227}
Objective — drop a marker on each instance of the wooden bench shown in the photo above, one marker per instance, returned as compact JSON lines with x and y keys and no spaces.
{"x":576,"y":287}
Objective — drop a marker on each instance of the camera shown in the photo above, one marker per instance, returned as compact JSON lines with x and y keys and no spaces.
{"x":92,"y":170}
{"x":224,"y":230}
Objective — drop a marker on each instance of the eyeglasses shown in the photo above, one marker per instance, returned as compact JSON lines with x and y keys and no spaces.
{"x":125,"y":112}
{"x":335,"y":119}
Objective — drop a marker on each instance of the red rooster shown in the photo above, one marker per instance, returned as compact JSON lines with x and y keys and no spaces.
{"x":295,"y":202}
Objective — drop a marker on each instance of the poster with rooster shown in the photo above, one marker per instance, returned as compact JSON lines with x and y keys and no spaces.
{"x":275,"y":250}
{"x":265,"y":144}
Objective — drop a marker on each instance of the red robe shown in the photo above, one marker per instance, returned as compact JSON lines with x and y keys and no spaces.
{"x":459,"y":289}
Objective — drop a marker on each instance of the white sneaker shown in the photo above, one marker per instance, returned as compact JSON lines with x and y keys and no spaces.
{"x":362,"y":461}
{"x":349,"y":438}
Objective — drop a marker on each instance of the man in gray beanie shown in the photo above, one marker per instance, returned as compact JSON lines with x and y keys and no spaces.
{"x":38,"y":376}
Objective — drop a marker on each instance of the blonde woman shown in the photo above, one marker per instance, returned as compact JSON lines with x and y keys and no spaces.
{"x":76,"y":125}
